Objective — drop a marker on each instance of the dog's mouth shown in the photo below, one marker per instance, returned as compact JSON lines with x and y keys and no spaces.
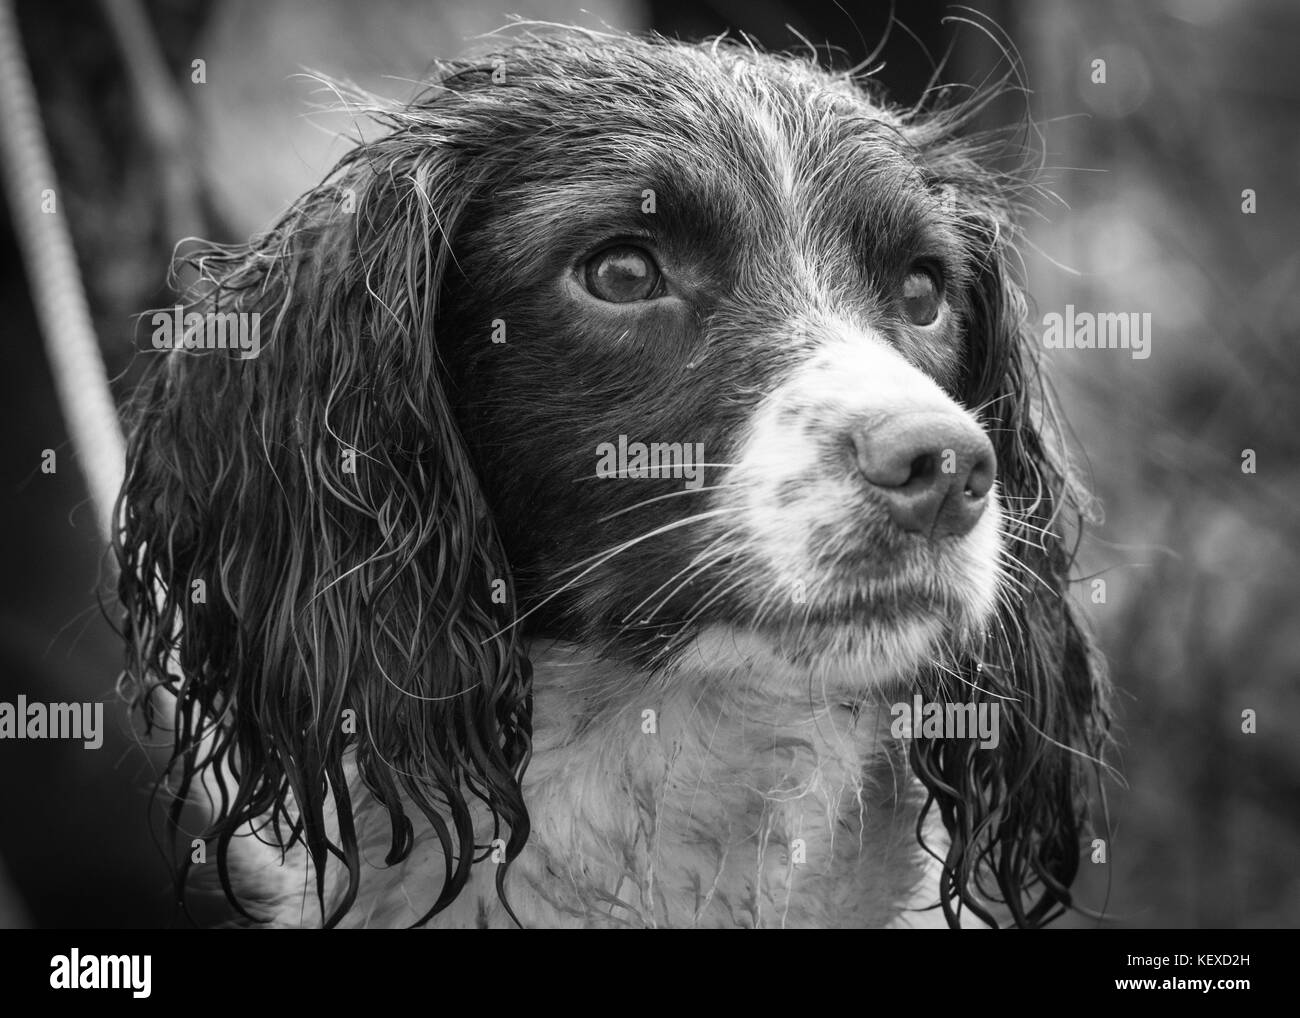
{"x":867,"y":587}
{"x":877,"y":621}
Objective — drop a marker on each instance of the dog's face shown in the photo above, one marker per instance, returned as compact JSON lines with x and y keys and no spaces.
{"x":666,"y":350}
{"x":750,"y":266}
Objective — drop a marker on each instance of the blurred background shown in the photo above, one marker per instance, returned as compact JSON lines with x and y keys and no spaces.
{"x":1201,"y":613}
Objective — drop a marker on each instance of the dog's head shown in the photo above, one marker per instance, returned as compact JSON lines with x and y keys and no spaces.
{"x":636,"y":344}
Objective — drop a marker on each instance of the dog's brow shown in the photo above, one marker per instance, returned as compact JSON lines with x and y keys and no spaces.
{"x":671,"y":197}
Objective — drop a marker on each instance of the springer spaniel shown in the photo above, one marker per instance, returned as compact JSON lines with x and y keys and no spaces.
{"x":632,"y":431}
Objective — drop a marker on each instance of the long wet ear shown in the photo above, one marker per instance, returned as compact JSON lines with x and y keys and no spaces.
{"x":1015,"y":813}
{"x":308,"y":566}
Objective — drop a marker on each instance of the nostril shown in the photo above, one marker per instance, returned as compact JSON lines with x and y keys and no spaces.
{"x":979,"y":482}
{"x":922,"y":470}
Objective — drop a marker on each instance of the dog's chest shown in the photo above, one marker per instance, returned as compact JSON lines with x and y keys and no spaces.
{"x":692,"y":806}
{"x":711,"y":828}
{"x":684,"y":803}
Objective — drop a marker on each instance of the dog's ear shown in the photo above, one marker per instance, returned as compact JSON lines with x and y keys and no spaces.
{"x":1015,"y":813}
{"x":308,"y":564}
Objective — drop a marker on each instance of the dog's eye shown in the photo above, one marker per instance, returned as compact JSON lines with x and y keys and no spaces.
{"x":922,"y":295}
{"x":621,"y":275}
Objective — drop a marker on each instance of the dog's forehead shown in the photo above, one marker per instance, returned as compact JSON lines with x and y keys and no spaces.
{"x":595,"y":98}
{"x":755,"y":148}
{"x":694,"y":96}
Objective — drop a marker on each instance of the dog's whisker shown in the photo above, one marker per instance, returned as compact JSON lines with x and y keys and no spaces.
{"x":601,"y":559}
{"x":702,"y":557}
{"x":661,"y":498}
{"x":622,"y":546}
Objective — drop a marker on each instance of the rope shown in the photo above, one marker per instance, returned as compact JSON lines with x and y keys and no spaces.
{"x":60,"y":300}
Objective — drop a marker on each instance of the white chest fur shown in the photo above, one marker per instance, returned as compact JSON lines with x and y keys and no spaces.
{"x":701,"y":799}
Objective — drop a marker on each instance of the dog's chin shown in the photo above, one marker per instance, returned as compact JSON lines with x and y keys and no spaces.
{"x":846,"y":657}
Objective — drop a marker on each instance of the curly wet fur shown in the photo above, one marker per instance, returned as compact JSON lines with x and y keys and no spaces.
{"x":371,"y":591}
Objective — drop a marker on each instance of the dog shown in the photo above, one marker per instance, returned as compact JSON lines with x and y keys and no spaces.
{"x":643,"y":447}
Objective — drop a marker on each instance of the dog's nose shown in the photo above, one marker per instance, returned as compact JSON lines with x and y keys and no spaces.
{"x":934,"y":470}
